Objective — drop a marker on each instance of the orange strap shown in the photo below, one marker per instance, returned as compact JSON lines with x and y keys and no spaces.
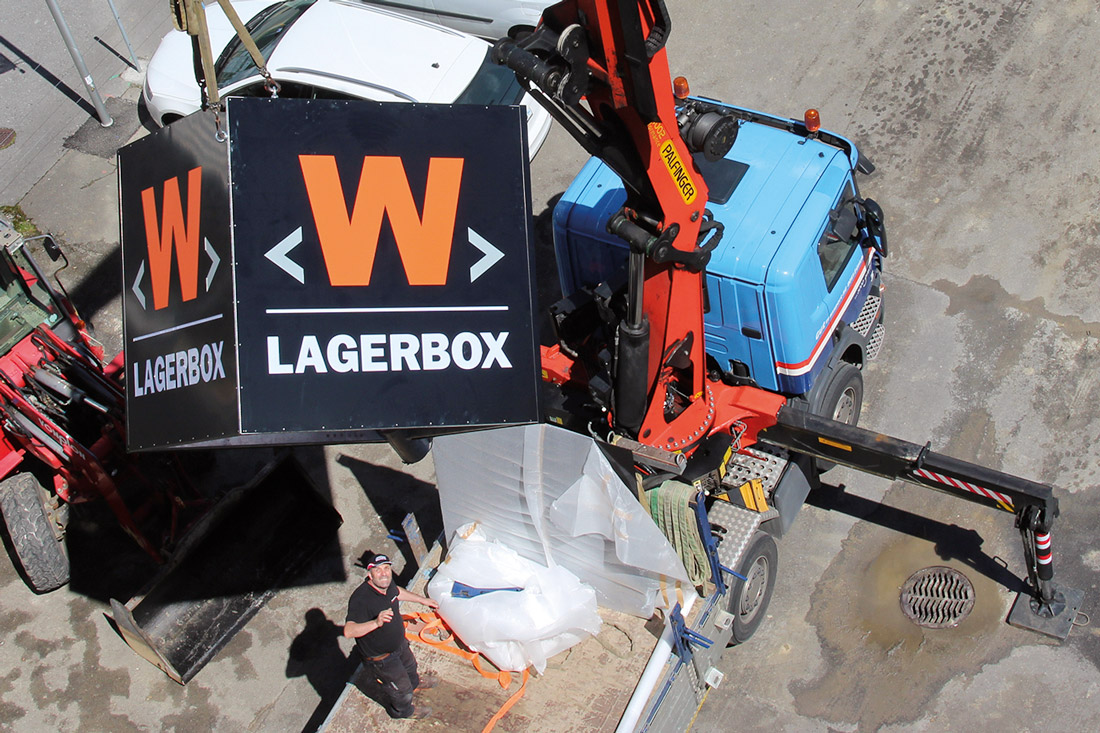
{"x":436,"y":634}
{"x":508,"y":705}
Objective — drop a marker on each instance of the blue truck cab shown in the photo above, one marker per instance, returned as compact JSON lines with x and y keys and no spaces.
{"x":793,"y":292}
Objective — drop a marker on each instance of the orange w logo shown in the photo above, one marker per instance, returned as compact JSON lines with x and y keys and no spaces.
{"x":172,"y":228}
{"x":349,"y":241}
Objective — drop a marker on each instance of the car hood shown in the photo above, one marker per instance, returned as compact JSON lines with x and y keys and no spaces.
{"x":414,"y":60}
{"x":170,"y":71}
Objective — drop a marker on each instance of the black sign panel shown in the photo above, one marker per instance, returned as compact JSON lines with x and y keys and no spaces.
{"x":330,"y":270}
{"x":178,"y":318}
{"x":383,"y":265}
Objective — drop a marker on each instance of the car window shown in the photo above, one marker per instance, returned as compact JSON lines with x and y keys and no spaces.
{"x":492,"y":84}
{"x":840,"y":238}
{"x":266,"y":29}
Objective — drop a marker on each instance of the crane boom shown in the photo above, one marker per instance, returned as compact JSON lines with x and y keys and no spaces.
{"x":601,"y":70}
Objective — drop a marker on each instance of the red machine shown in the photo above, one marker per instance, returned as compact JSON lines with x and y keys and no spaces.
{"x":62,"y":412}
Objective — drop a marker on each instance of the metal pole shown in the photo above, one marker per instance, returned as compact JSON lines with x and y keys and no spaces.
{"x":78,"y":60}
{"x":125,"y":38}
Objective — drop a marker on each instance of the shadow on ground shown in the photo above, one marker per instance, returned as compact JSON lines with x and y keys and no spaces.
{"x":316,"y":655}
{"x":394,"y":495}
{"x":951,"y":542}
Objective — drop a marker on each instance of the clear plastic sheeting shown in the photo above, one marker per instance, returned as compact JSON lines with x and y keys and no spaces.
{"x":513,"y":629}
{"x":552,"y":496}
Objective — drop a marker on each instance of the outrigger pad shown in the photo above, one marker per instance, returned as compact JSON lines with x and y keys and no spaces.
{"x":1055,"y":621}
{"x":249,"y":546}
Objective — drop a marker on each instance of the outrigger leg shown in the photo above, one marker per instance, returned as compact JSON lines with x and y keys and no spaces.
{"x":1049,"y":609}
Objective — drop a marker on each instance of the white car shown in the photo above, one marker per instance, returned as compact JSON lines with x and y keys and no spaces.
{"x":337,"y":49}
{"x":490,"y":19}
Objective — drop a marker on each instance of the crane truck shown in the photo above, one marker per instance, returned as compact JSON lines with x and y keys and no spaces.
{"x":695,"y":336}
{"x":649,"y":382}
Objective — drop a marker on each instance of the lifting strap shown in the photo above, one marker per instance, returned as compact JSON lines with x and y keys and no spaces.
{"x":189,"y":16}
{"x":643,"y":499}
{"x":435,"y":634}
{"x":670,"y":507}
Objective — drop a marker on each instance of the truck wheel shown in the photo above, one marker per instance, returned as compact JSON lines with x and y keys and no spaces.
{"x":40,"y":551}
{"x":842,"y":401}
{"x":748,"y":599}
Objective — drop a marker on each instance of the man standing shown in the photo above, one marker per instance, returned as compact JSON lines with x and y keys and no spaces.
{"x":374,"y":621}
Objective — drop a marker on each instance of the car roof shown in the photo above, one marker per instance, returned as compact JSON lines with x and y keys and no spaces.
{"x":352,"y":45}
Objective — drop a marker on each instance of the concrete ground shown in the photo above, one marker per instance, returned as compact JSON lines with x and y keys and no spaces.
{"x":981,"y":119}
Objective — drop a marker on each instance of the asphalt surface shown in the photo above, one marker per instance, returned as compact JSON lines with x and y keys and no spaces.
{"x":981,"y":119}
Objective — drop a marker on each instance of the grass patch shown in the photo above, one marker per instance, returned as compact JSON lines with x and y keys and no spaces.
{"x":19,"y":221}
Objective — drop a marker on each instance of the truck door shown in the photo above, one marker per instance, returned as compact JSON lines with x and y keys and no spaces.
{"x":829,"y":286}
{"x":844,"y":266}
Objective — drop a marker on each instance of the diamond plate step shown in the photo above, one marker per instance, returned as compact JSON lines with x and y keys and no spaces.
{"x":740,"y":525}
{"x":875,"y":342}
{"x":763,"y":462}
{"x":867,"y":314}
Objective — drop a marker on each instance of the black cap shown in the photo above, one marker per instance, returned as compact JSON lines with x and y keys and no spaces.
{"x":378,"y":560}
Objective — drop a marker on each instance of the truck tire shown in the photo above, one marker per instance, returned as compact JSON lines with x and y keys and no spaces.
{"x":748,"y":599}
{"x":40,"y":552}
{"x":842,"y":401}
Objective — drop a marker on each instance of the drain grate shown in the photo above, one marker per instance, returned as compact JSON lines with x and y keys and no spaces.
{"x":937,"y":597}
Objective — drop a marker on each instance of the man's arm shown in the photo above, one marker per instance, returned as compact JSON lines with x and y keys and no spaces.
{"x":408,"y":595}
{"x":354,"y":629}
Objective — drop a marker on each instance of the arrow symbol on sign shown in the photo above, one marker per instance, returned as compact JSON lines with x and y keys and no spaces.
{"x":214,"y":262}
{"x":279,"y":256}
{"x":137,"y":283}
{"x":491,"y":255}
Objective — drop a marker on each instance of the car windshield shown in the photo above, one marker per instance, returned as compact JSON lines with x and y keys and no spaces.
{"x":24,"y":302}
{"x":266,"y":29}
{"x":492,"y":84}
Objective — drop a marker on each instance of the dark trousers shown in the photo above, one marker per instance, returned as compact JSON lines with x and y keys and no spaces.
{"x":399,"y":678}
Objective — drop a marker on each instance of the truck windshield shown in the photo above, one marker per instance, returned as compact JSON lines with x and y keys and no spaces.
{"x":266,"y":29}
{"x":24,"y":303}
{"x":492,"y":84}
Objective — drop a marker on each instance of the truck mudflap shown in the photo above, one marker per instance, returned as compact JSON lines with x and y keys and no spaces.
{"x":226,"y":568}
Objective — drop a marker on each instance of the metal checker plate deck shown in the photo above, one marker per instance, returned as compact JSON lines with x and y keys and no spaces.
{"x":763,"y":462}
{"x":740,"y":524}
{"x":683,"y":690}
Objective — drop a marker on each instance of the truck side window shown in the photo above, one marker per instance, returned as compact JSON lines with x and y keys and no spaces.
{"x":840,"y":238}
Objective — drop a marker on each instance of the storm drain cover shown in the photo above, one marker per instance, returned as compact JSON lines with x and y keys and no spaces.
{"x":937,"y":597}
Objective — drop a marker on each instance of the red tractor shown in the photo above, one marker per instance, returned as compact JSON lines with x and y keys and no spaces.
{"x":61,"y":413}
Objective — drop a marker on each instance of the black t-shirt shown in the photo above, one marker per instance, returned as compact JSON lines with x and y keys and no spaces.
{"x":365,"y":605}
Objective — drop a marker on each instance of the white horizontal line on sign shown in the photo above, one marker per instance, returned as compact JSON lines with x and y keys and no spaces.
{"x":406,"y":309}
{"x":177,"y":328}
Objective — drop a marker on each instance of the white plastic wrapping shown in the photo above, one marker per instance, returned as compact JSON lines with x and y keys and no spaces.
{"x":552,"y":496}
{"x":514,"y":629}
